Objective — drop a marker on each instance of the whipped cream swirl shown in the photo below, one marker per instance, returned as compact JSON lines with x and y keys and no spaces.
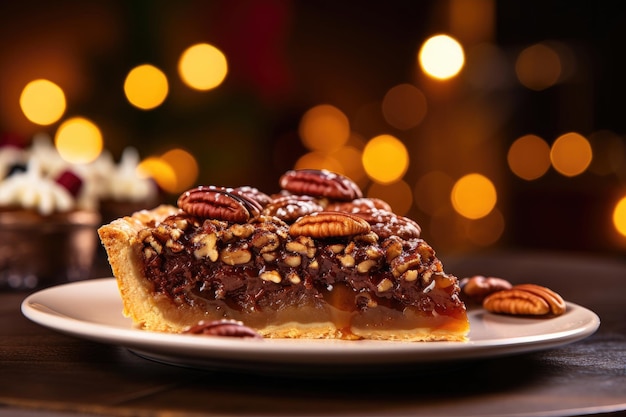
{"x":125,"y":184}
{"x":31,"y":190}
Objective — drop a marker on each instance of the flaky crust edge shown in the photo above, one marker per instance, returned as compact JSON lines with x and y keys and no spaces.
{"x":120,"y":240}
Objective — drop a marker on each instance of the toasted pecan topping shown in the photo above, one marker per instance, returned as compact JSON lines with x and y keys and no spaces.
{"x":320,"y":183}
{"x":289,"y":207}
{"x":210,"y":202}
{"x":329,"y":224}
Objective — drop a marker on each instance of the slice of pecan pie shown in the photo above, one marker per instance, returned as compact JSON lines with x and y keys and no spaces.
{"x":317,"y":260}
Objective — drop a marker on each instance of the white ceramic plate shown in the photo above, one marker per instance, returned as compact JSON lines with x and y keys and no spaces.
{"x":92,"y":310}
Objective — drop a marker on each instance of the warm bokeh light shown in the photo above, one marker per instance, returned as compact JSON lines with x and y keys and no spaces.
{"x":571,"y":154}
{"x":184,"y":166}
{"x":161,"y":171}
{"x":529,"y":157}
{"x":609,"y":153}
{"x":385,"y":159}
{"x":538,"y":67}
{"x":472,"y":21}
{"x":473,"y":196}
{"x":404,"y":106}
{"x":432,"y":191}
{"x":349,"y":158}
{"x":202,"y":67}
{"x":146,"y":87}
{"x":443,"y":228}
{"x":619,"y":216}
{"x":78,"y":140}
{"x":324,"y":128}
{"x":487,"y":68}
{"x":42,"y":102}
{"x":487,"y":230}
{"x":398,"y":195}
{"x":441,"y":57}
{"x":318,"y":160}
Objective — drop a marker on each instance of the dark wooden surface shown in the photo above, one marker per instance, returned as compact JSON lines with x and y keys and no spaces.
{"x":49,"y":374}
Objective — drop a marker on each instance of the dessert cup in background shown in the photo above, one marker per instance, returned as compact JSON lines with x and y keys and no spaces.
{"x":50,"y":210}
{"x":38,"y":250}
{"x":46,"y":236}
{"x":122,"y":191}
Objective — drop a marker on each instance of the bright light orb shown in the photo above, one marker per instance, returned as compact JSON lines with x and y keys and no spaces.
{"x":571,"y":154}
{"x":619,"y":216}
{"x":78,"y":140}
{"x":43,"y":102}
{"x":202,"y":67}
{"x":146,"y":87}
{"x":161,"y":171}
{"x":474,"y":196}
{"x":385,"y":159}
{"x":185,"y":167}
{"x":441,"y":57}
{"x":324,"y":128}
{"x":529,"y":157}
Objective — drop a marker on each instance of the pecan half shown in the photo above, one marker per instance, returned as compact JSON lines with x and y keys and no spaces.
{"x":289,"y":207}
{"x":320,"y":183}
{"x":386,"y":224}
{"x":359,"y":205}
{"x":228,"y":328}
{"x":526,"y":299}
{"x":219,"y":203}
{"x":253,"y":194}
{"x":478,"y":287}
{"x":253,"y":202}
{"x":325,"y":224}
{"x":554,"y":300}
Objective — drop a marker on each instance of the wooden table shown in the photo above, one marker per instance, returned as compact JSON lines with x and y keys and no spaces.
{"x":50,"y":374}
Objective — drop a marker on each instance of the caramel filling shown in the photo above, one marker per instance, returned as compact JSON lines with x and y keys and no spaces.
{"x":258,"y":274}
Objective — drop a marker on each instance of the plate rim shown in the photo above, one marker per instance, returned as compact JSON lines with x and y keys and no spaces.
{"x":198,"y":349}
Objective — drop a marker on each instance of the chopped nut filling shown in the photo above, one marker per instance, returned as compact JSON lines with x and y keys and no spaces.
{"x":260,"y":266}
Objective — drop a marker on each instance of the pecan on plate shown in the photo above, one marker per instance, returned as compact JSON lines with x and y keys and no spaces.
{"x":227,"y":328}
{"x":525,"y":299}
{"x":478,"y":287}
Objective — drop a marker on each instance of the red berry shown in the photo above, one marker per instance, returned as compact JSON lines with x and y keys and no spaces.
{"x":70,"y":181}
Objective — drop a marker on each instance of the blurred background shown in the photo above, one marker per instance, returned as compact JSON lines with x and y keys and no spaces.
{"x":494,"y":124}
